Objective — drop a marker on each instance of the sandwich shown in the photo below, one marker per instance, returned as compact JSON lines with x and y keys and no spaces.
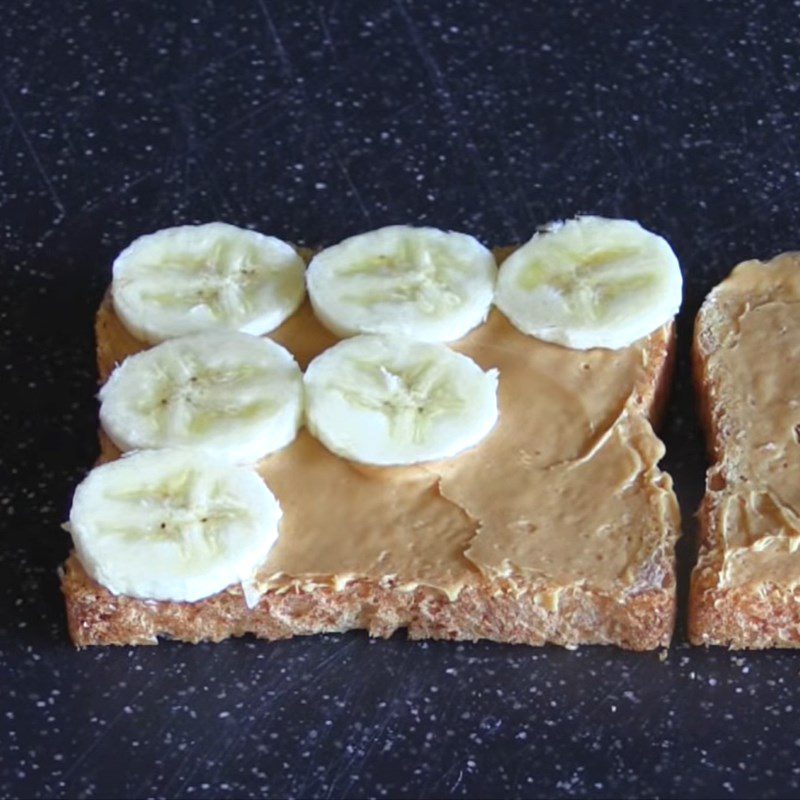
{"x":405,"y":430}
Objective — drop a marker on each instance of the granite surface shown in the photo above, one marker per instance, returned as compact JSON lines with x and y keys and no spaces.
{"x":313,"y":121}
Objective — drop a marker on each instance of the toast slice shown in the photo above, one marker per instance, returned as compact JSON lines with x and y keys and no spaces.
{"x":559,"y":527}
{"x":745,"y":588}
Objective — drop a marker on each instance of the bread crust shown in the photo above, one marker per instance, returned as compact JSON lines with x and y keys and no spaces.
{"x":582,"y":615}
{"x":640,"y":622}
{"x":751,"y":616}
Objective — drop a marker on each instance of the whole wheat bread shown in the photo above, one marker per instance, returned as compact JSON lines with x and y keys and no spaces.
{"x":756,"y":606}
{"x":637,"y":618}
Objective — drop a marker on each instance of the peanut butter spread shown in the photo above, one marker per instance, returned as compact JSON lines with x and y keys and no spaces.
{"x":753,"y":371}
{"x":564,"y":490}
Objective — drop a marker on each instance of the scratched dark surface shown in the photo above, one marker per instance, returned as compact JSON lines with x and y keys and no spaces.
{"x":313,"y":121}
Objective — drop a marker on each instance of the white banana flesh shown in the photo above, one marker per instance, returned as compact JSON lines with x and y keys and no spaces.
{"x":591,"y":282}
{"x":197,"y":278}
{"x":236,"y":396}
{"x":388,"y":400}
{"x":423,"y":283}
{"x":172,"y":525}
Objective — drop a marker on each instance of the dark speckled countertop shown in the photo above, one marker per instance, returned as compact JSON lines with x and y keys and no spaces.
{"x":313,"y":121}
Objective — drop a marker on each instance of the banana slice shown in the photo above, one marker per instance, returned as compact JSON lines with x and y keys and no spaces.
{"x":231,"y":394}
{"x":423,"y":283}
{"x":591,"y":282}
{"x":172,"y":525}
{"x":201,"y":277}
{"x":387,"y":400}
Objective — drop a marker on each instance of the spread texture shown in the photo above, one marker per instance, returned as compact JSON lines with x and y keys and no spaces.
{"x":754,"y":489}
{"x":565,"y":490}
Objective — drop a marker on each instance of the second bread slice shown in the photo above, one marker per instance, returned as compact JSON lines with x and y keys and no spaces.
{"x":745,"y":590}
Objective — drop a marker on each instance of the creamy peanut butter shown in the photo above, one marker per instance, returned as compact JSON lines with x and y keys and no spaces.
{"x":756,"y":380}
{"x":564,"y":490}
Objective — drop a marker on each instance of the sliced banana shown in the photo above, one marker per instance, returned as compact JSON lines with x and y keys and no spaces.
{"x":424,"y":283}
{"x":231,"y":394}
{"x":172,"y":525}
{"x":591,"y":282}
{"x":200,"y":277}
{"x":388,"y":400}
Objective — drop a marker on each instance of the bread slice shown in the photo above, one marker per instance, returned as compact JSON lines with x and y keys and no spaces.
{"x":635,"y":609}
{"x":745,"y":588}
